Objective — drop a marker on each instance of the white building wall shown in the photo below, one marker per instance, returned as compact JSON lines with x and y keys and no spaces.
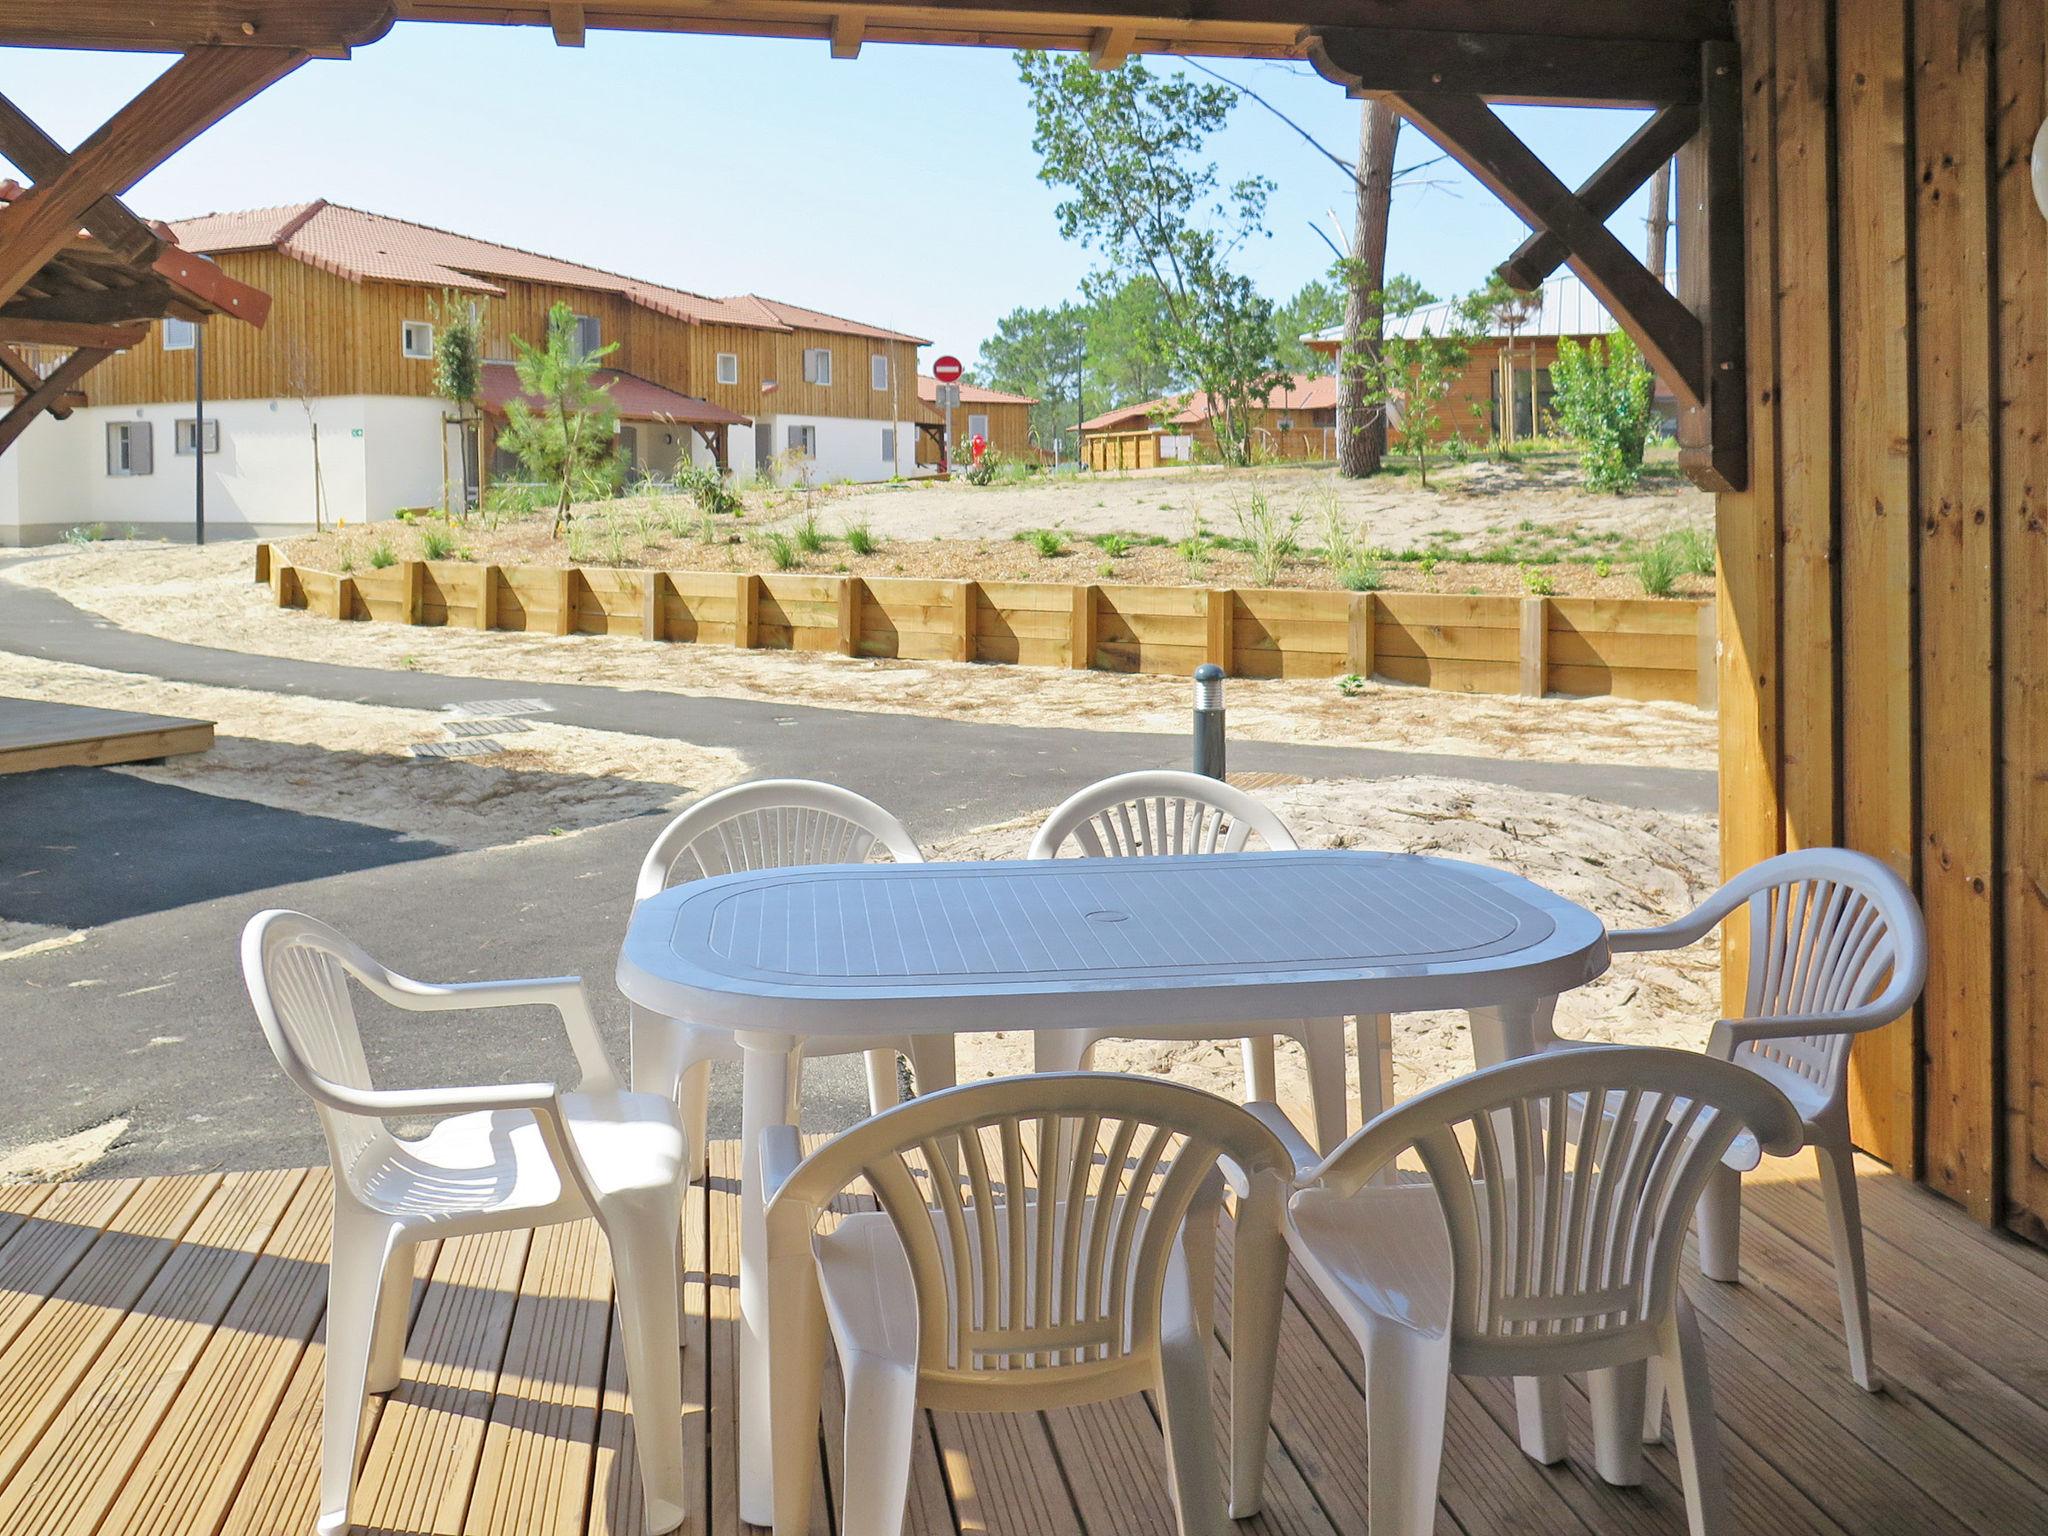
{"x":377,"y":454}
{"x":847,"y":449}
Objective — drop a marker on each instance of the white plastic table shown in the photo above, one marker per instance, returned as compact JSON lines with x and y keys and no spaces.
{"x":780,"y":956}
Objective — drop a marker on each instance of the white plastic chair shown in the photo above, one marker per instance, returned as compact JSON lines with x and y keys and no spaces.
{"x":1071,"y":1260}
{"x":1837,"y":946}
{"x":1545,"y":1241}
{"x":767,"y":824}
{"x":504,"y":1156}
{"x":1163,"y":812}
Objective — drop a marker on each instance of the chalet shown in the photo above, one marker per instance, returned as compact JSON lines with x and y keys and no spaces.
{"x":743,"y":381}
{"x":1001,"y":420}
{"x":1297,"y":421}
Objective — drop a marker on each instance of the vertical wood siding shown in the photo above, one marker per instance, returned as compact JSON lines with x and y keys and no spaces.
{"x":1884,"y":598}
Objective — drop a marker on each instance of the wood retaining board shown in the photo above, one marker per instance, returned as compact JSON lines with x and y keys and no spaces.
{"x":1639,"y":648}
{"x":37,"y":734}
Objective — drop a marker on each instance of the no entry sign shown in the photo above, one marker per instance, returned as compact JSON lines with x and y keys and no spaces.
{"x":946,"y":369}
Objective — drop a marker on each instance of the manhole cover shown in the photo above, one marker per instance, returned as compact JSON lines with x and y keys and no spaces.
{"x":487,"y":709}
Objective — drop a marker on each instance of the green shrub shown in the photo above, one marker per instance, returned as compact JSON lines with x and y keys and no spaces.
{"x":712,"y":492}
{"x":1351,"y":685}
{"x":381,"y":556}
{"x":1538,"y":583}
{"x":810,"y":538}
{"x":860,"y":537}
{"x":437,"y":543}
{"x":1114,"y":545}
{"x":782,"y":550}
{"x":1603,"y":400}
{"x":85,"y":533}
{"x":1657,"y":568}
{"x":983,"y":470}
{"x":1695,"y":547}
{"x":1603,"y":567}
{"x":1266,"y":537}
{"x":1047,"y":541}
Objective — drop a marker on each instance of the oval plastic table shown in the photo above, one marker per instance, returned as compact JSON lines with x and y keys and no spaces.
{"x":784,"y":955}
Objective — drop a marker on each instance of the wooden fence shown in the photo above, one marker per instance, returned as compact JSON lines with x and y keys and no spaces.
{"x":1638,"y":648}
{"x":1103,"y":451}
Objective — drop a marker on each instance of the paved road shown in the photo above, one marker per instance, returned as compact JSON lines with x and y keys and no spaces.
{"x":145,"y":1016}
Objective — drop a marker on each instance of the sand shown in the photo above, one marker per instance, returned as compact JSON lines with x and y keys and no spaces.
{"x":326,"y":758}
{"x":1634,"y":868}
{"x":206,"y":597}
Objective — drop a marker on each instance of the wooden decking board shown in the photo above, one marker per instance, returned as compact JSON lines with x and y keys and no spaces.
{"x":165,"y":1367}
{"x":35,"y":733}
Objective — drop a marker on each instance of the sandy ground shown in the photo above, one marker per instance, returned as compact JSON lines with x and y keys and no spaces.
{"x":1634,"y":868}
{"x":206,"y":597}
{"x":351,"y":761}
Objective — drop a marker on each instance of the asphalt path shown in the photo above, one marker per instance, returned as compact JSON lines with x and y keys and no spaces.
{"x":145,"y":1017}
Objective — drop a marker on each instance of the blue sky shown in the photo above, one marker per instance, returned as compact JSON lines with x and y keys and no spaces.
{"x":899,"y":188}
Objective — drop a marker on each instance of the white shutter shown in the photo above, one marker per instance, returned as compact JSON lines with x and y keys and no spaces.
{"x":878,"y":370}
{"x":140,"y":458}
{"x":116,"y":431}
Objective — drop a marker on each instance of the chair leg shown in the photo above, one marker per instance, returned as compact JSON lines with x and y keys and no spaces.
{"x":796,"y":1374}
{"x":1375,"y":1065}
{"x":1618,"y":1393}
{"x":1407,"y":1387}
{"x":1261,"y":1069}
{"x":1693,"y":1431}
{"x":1061,"y":1050}
{"x":885,"y":1084}
{"x":1184,"y":1405}
{"x":1258,"y":1293}
{"x":394,"y":1311}
{"x":1539,"y":1414}
{"x":1322,"y":1042}
{"x":645,"y":1266}
{"x":361,"y":1249}
{"x":1721,"y":1226}
{"x":1653,"y":1401}
{"x":1845,"y":1225}
{"x":693,"y":1097}
{"x":881,"y":1430}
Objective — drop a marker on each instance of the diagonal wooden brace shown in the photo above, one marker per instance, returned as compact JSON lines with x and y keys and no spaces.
{"x":48,"y":393}
{"x":43,"y":159}
{"x":1648,"y":149}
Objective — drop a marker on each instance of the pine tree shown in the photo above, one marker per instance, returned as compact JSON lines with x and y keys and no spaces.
{"x":568,"y":439}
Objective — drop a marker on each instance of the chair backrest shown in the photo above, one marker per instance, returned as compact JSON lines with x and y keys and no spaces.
{"x":1831,"y":931}
{"x":771,"y":824}
{"x":1159,"y":812}
{"x":1038,"y":1215}
{"x":1566,"y":1182}
{"x":297,"y":970}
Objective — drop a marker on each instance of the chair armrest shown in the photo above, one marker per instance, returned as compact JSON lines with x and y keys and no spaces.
{"x":782,"y":1149}
{"x":384,"y":1103}
{"x":1637,"y":941}
{"x":564,"y":994}
{"x":1730,"y":1033}
{"x":1274,"y":1118}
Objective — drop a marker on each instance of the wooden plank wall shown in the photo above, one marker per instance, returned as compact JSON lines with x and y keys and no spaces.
{"x":1884,"y":583}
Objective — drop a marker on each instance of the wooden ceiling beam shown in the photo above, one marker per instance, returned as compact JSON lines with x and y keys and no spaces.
{"x":50,"y":392}
{"x":57,"y":333}
{"x":567,"y":23}
{"x":848,"y":30}
{"x":196,"y":92}
{"x":1507,"y":66}
{"x":327,"y":28}
{"x":1110,"y":46}
{"x":1648,"y":148}
{"x":41,"y":157}
{"x":113,"y":306}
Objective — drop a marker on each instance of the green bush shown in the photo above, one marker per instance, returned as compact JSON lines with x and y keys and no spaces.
{"x":1538,"y":583}
{"x":1695,"y":547}
{"x":435,"y":543}
{"x":810,"y":538}
{"x":1114,"y":545}
{"x":381,"y":556}
{"x":860,"y":537}
{"x":983,"y":470}
{"x":712,"y":492}
{"x":1657,"y":568}
{"x":1603,"y":401}
{"x":1047,"y":541}
{"x":782,"y":550}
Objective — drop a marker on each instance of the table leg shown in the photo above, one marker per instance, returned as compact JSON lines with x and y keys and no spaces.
{"x":1510,"y":1030}
{"x":768,"y":1064}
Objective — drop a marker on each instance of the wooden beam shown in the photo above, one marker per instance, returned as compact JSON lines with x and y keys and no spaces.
{"x":325,"y":27}
{"x":1603,"y":193}
{"x":567,"y":22}
{"x":847,"y":30}
{"x":1507,"y":66}
{"x":1108,"y":47}
{"x":1713,"y":434}
{"x":193,"y":94}
{"x":87,"y":306}
{"x":16,"y":367}
{"x":52,"y":333}
{"x":50,"y":391}
{"x":1669,"y":334}
{"x":42,"y":158}
{"x":204,"y":279}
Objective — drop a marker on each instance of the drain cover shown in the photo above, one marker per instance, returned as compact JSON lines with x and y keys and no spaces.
{"x":461,"y":726}
{"x":487,"y":709}
{"x":475,"y":746}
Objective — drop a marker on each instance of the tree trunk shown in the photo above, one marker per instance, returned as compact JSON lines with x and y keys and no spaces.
{"x":1660,"y":219}
{"x":1361,"y":425}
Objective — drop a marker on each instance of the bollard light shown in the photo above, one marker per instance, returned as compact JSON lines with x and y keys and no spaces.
{"x":1209,"y":720}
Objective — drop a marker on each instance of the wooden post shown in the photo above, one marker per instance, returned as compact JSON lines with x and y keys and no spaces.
{"x":344,"y":597}
{"x":852,"y":593}
{"x":1359,"y":642}
{"x":263,"y":562}
{"x":650,"y":605}
{"x":415,"y":590}
{"x":284,"y":582}
{"x":1709,"y":657}
{"x":487,"y":597}
{"x":1535,"y":648}
{"x":1081,"y":638}
{"x":963,"y":620}
{"x":565,"y":601}
{"x":1219,"y":614}
{"x":746,"y":609}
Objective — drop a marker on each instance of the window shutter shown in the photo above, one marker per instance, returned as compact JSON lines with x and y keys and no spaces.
{"x":114,"y":431}
{"x":878,"y":370}
{"x":140,"y":461}
{"x":888,"y":444}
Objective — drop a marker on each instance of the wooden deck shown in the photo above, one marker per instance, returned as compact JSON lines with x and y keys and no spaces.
{"x":38,"y":734}
{"x":160,"y":1371}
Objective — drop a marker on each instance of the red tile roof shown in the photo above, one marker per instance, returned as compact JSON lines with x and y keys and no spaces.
{"x":1307,"y":392}
{"x":635,"y":399}
{"x":362,"y":246}
{"x":970,"y":394}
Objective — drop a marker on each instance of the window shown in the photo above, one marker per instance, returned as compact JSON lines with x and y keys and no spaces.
{"x":185,"y":434}
{"x":888,"y":445}
{"x":416,"y":339}
{"x":589,"y":334}
{"x":878,"y":370}
{"x":977,"y":426}
{"x":629,"y":446}
{"x":180,"y":335}
{"x":728,"y":367}
{"x":128,"y":448}
{"x":804,"y":440}
{"x":817,"y":365}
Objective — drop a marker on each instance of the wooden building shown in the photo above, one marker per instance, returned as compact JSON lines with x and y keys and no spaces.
{"x":1002,"y":420}
{"x":1298,"y":420}
{"x":1858,"y":349}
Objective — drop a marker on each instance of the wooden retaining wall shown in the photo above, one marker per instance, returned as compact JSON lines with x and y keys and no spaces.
{"x":1638,"y":648}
